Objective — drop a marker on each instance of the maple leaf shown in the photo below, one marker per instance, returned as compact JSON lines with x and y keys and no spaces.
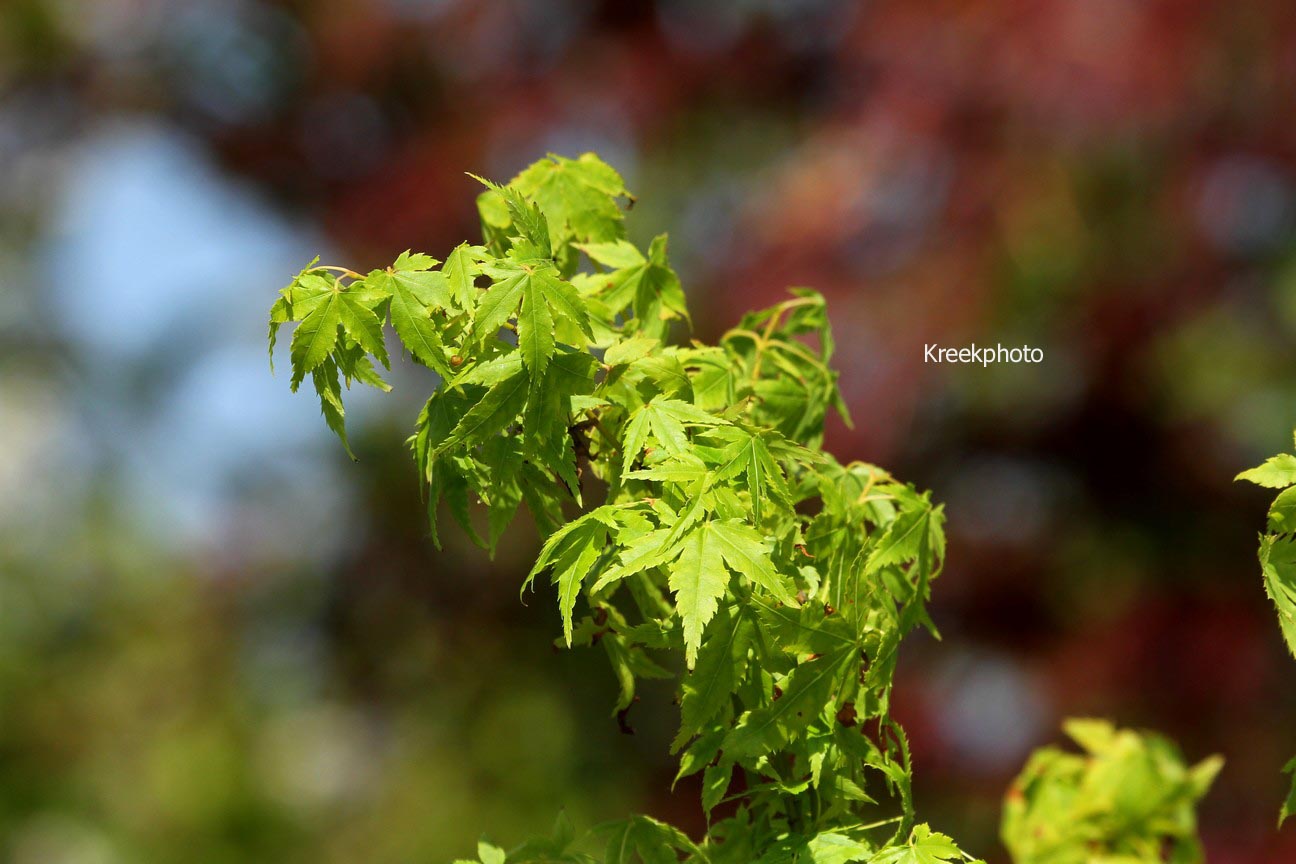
{"x":317,"y":334}
{"x":329,"y":388}
{"x":805,"y":693}
{"x":644,"y":839}
{"x":664,"y":420}
{"x":924,"y":846}
{"x":648,"y":285}
{"x":721,"y":664}
{"x":1277,"y":472}
{"x":416,"y":292}
{"x":1278,"y":564}
{"x":578,"y":198}
{"x":745,"y":552}
{"x":529,"y":226}
{"x":749,"y":456}
{"x":495,"y":410}
{"x":548,"y":306}
{"x":698,"y":579}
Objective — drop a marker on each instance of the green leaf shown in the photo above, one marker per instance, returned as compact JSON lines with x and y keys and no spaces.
{"x":578,"y":197}
{"x":750,"y":457}
{"x":280,"y":314}
{"x":316,"y":336}
{"x":1277,"y":472}
{"x":684,"y":468}
{"x":1282,"y":513}
{"x":526,"y":218}
{"x":685,"y":413}
{"x":548,"y":304}
{"x":832,"y":848}
{"x":502,"y":457}
{"x":557,"y":542}
{"x":412,"y":321}
{"x":713,"y":382}
{"x":924,"y":846}
{"x":497,"y":408}
{"x":1128,"y":797}
{"x":659,"y":297}
{"x":746,"y":554}
{"x":409,"y":260}
{"x":572,"y":372}
{"x":497,"y":306}
{"x":535,"y":330}
{"x":805,"y":696}
{"x":325,"y":378}
{"x":490,"y":371}
{"x":1289,"y":805}
{"x":355,"y":364}
{"x":630,"y":350}
{"x":698,"y":580}
{"x":566,"y":302}
{"x":642,"y":838}
{"x":362,"y":325}
{"x":721,"y":663}
{"x":666,"y":373}
{"x":431,"y":288}
{"x":461,"y":269}
{"x":715,"y":783}
{"x":617,"y":254}
{"x":489,"y":854}
{"x":647,"y":285}
{"x":580,"y":550}
{"x":902,"y":541}
{"x":665,"y":420}
{"x":828,"y":847}
{"x":634,"y":439}
{"x":1278,"y":564}
{"x":646,"y":552}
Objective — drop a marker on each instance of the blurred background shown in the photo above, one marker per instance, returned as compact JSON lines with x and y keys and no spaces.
{"x":221,"y":641}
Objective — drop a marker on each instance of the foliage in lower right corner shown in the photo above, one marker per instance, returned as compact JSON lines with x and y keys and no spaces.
{"x":1129,"y":798}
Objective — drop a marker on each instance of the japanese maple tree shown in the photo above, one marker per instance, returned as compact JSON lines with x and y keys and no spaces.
{"x":695,"y":529}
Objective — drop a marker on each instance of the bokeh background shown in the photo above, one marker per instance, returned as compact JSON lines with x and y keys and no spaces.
{"x":221,"y":641}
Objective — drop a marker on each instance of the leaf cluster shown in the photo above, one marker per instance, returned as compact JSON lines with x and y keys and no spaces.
{"x":694,"y":527}
{"x":1127,"y":799}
